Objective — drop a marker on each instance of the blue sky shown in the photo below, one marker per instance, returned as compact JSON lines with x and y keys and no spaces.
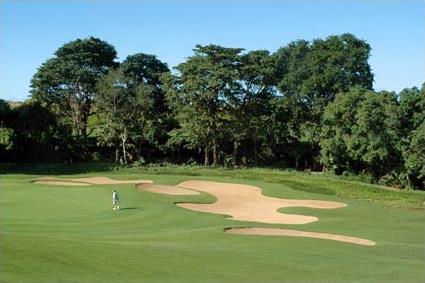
{"x":30,"y":31}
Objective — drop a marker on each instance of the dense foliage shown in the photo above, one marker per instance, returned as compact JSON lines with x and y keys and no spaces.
{"x":310,"y":105}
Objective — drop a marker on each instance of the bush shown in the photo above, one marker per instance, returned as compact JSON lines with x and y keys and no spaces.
{"x":96,"y":156}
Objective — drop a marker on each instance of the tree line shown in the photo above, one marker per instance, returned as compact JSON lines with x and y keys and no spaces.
{"x":309,"y":105}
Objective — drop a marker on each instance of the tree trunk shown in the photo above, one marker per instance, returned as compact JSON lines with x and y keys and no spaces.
{"x":235,"y":152}
{"x":255,"y":150}
{"x":312,"y":156}
{"x":117,"y":152}
{"x":215,"y":152}
{"x":123,"y":141}
{"x":206,"y":156}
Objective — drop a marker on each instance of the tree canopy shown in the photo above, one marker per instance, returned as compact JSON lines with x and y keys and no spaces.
{"x":68,"y":80}
{"x":310,"y":105}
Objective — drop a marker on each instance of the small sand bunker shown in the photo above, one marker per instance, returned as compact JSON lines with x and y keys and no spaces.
{"x":87,"y":181}
{"x":296,"y":233}
{"x":247,"y":203}
{"x":166,"y":190}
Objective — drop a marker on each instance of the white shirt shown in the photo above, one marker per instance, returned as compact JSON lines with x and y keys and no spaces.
{"x":115,"y":196}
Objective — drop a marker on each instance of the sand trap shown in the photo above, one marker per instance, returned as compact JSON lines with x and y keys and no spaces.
{"x":296,"y":233}
{"x":166,"y":190}
{"x":87,"y":181}
{"x":247,"y":203}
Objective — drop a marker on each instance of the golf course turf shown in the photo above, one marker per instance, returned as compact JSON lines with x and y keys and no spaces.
{"x":55,"y":233}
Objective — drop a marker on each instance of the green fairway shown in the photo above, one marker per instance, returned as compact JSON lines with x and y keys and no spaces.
{"x":70,"y":234}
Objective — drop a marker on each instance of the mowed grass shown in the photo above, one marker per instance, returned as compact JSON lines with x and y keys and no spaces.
{"x":71,"y":234}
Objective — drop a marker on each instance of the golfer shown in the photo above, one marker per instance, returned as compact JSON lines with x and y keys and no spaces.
{"x":115,"y":201}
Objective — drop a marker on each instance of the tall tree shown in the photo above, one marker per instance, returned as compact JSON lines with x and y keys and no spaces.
{"x":312,"y":73}
{"x":68,"y":80}
{"x":249,"y":102}
{"x":146,"y":69}
{"x":360,"y":133}
{"x":36,"y":132}
{"x":126,"y":106}
{"x":205,"y":80}
{"x":412,"y":139}
{"x":376,"y":133}
{"x":6,"y":130}
{"x":337,"y":131}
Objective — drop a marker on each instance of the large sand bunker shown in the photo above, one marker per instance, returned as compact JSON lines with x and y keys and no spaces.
{"x":166,"y":190}
{"x":87,"y":181}
{"x":247,"y":203}
{"x":296,"y":233}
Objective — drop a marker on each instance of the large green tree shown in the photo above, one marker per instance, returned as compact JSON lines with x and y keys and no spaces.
{"x":6,"y":130}
{"x":412,"y":140}
{"x":339,"y":121}
{"x":198,"y":97}
{"x":360,"y":133}
{"x":312,"y":73}
{"x":248,"y":104}
{"x":126,"y":106}
{"x":37,"y":134}
{"x":67,"y":82}
{"x":147,"y":69}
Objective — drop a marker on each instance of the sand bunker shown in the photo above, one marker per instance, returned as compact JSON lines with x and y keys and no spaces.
{"x":296,"y":233}
{"x":247,"y":203}
{"x":87,"y":181}
{"x":166,"y":190}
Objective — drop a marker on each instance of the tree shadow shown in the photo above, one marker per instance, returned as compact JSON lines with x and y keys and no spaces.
{"x":54,"y":168}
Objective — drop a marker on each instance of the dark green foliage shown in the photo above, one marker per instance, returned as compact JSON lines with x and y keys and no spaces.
{"x":6,"y":130}
{"x":376,"y":133}
{"x":126,"y":106}
{"x":146,"y":69}
{"x":35,"y":128}
{"x":31,"y":133}
{"x":412,"y":140}
{"x":68,"y":80}
{"x":337,"y":131}
{"x":314,"y":72}
{"x":132,"y":102}
{"x":360,"y":133}
{"x":310,"y":74}
{"x":198,"y":96}
{"x":248,"y":105}
{"x":310,"y":105}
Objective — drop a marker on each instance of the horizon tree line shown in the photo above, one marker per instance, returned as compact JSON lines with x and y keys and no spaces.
{"x":309,"y":105}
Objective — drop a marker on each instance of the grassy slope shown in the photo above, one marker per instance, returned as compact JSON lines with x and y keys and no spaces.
{"x":70,"y":234}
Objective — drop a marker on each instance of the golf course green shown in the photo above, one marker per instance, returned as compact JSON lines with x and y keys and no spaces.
{"x":53,"y":233}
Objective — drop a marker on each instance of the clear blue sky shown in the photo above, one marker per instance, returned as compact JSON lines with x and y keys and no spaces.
{"x":31,"y":31}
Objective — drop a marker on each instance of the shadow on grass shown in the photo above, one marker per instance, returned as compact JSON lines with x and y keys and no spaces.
{"x":54,"y":168}
{"x":125,"y":208}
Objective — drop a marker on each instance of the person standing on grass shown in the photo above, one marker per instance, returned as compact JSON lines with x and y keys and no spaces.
{"x":115,"y":201}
